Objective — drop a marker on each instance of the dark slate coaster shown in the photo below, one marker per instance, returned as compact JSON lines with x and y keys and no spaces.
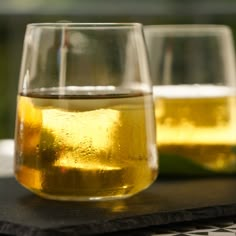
{"x":166,"y":201}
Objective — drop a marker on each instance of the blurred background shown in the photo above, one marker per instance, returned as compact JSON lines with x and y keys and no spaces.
{"x":15,"y":14}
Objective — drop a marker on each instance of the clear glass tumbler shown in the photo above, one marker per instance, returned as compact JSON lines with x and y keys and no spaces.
{"x":193,"y":73}
{"x":85,"y":123}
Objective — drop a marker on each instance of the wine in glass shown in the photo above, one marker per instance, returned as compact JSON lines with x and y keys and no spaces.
{"x":193,"y":72}
{"x":85,"y":124}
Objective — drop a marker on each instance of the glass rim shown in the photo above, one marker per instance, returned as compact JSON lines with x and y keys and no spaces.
{"x":187,"y":28}
{"x":74,"y":25}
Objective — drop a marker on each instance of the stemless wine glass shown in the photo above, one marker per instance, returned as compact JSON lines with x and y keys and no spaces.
{"x":85,"y":125}
{"x":193,"y":72}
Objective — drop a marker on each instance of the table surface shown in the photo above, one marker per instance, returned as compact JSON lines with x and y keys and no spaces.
{"x":160,"y":208}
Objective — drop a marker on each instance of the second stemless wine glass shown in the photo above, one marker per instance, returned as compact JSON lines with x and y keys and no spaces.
{"x":193,"y":71}
{"x":85,"y":126}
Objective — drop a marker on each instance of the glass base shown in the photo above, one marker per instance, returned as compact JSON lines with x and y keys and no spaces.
{"x":79,"y":198}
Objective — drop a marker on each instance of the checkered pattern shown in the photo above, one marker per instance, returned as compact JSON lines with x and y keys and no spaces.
{"x":222,"y":227}
{"x":215,"y":227}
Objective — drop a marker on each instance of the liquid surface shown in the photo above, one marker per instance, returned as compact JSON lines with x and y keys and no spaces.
{"x":199,"y":123}
{"x":84,"y":147}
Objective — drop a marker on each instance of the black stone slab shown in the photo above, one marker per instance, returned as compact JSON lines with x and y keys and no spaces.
{"x":166,"y":201}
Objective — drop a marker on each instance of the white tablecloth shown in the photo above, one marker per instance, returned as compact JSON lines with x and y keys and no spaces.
{"x":6,"y":157}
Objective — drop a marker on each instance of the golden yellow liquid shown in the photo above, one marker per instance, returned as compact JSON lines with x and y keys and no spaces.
{"x":85,"y":148}
{"x":198,"y":123}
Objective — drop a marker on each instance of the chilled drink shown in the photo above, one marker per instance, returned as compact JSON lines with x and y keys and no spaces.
{"x":82,"y":147}
{"x":197,"y":123}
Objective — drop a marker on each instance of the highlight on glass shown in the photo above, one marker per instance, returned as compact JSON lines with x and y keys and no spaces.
{"x":85,"y":123}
